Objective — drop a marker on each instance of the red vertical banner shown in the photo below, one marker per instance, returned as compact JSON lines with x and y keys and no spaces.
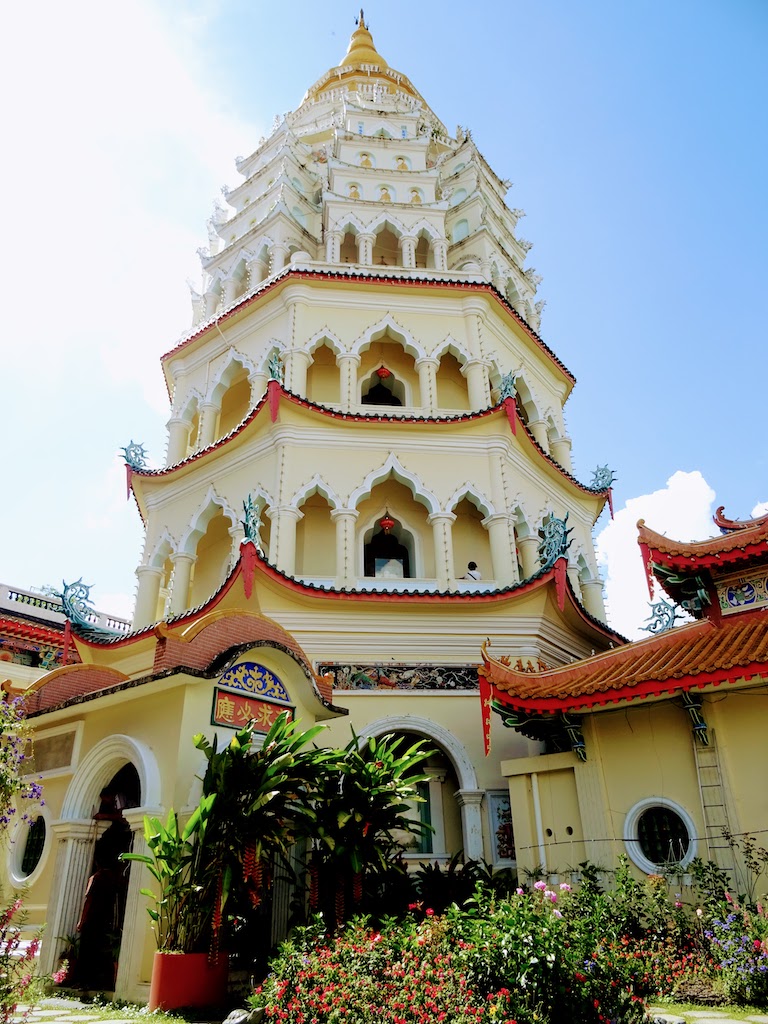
{"x":485,"y":710}
{"x":510,"y":407}
{"x":561,"y":569}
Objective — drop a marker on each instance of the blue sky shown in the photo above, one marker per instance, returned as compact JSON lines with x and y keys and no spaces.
{"x":635,"y":135}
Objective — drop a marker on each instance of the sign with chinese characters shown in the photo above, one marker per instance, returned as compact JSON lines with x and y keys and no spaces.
{"x":743,"y":591}
{"x":235,"y":710}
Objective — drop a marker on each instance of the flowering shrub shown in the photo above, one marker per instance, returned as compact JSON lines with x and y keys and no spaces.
{"x":17,"y":961}
{"x":740,"y":940}
{"x":511,"y":961}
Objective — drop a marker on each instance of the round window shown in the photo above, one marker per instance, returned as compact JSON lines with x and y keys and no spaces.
{"x":658,"y":834}
{"x":33,"y":847}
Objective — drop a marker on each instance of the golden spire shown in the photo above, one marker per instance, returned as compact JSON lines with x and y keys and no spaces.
{"x":361,"y":47}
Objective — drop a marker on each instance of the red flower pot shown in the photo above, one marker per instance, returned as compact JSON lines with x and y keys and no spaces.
{"x":187,"y":979}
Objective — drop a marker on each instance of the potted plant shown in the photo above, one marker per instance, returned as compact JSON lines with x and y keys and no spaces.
{"x":183,"y":972}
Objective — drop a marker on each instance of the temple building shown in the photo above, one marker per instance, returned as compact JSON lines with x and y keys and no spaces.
{"x":667,"y":732}
{"x":362,"y":407}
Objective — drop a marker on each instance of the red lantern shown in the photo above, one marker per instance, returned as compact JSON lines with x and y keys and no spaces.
{"x":383,"y":372}
{"x":386,"y":522}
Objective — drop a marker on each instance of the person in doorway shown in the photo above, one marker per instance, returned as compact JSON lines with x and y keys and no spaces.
{"x":472,"y":573}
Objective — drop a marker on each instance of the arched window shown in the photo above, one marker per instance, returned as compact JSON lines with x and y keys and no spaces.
{"x":460,"y":230}
{"x":385,"y":556}
{"x":348,"y":249}
{"x":379,"y":390}
{"x":33,"y":848}
{"x":386,"y":250}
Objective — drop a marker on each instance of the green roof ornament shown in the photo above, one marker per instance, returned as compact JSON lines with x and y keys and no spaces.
{"x":78,"y":606}
{"x":602,"y":478}
{"x":135,"y":455}
{"x":555,"y":541}
{"x":662,"y":617}
{"x":507,"y":387}
{"x":252,"y":522}
{"x":276,"y":368}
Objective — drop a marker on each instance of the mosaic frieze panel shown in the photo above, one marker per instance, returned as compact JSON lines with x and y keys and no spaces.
{"x":742,"y":591}
{"x":254,"y":678}
{"x":401,"y":677}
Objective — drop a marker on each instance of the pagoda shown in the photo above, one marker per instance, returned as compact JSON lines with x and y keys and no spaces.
{"x":362,"y":409}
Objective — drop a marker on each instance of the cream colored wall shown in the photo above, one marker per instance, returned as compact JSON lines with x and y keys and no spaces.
{"x":316,"y":539}
{"x":323,"y":377}
{"x":451,"y":385}
{"x":470,"y":540}
{"x":738,"y":725}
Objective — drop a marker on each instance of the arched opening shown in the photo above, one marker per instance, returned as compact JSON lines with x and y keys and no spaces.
{"x":410,"y":531}
{"x":194,"y":431}
{"x":316,"y":539}
{"x":386,"y":249}
{"x":235,"y":402}
{"x":424,"y":253}
{"x":103,"y":911}
{"x":380,"y":390}
{"x":323,"y":384}
{"x":212,"y":559}
{"x":385,"y":554}
{"x":240,"y":277}
{"x":388,"y":353}
{"x":470,"y":540}
{"x":460,"y":230}
{"x":437,"y":806}
{"x":164,"y":561}
{"x":348,"y":248}
{"x":451,"y":386}
{"x":458,"y":197}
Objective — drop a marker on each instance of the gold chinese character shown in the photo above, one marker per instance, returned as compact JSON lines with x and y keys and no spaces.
{"x":225,"y":708}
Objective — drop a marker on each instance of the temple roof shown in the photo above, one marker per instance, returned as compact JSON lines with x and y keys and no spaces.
{"x":362,"y":59}
{"x":741,"y":542}
{"x":692,"y":656}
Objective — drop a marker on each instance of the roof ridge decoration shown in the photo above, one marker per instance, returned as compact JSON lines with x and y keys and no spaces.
{"x":730,"y":525}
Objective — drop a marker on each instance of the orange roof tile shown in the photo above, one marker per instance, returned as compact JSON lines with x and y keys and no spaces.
{"x":695,"y":655}
{"x":734,"y":545}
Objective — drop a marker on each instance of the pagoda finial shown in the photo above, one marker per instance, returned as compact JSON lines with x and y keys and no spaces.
{"x":362,"y":49}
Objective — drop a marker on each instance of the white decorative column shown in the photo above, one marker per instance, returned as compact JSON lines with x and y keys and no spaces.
{"x":136,"y":930}
{"x":147,"y":595}
{"x":211,"y":303}
{"x":182,"y":574}
{"x":427,"y":369}
{"x":441,"y":523}
{"x":178,"y":440}
{"x":573,"y":577}
{"x":278,"y":257}
{"x":348,"y":363}
{"x":345,"y":519}
{"x":592,"y":594}
{"x":440,"y":253}
{"x":230,"y":287}
{"x":435,"y":780}
{"x":258,"y":381}
{"x":257,"y":271}
{"x":501,"y":539}
{"x":296,"y":365}
{"x":365,"y":248}
{"x":478,"y":390}
{"x":209,"y":414}
{"x":285,"y":518}
{"x":469,"y":801}
{"x":237,"y":536}
{"x":333,"y":247}
{"x":560,"y":450}
{"x":539,"y":430}
{"x":408,"y":251}
{"x":75,"y":841}
{"x":529,"y":555}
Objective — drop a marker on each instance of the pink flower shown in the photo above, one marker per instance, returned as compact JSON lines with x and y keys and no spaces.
{"x":550,"y":895}
{"x":564,"y":887}
{"x":557,"y":913}
{"x":518,"y":892}
{"x":540,"y":885}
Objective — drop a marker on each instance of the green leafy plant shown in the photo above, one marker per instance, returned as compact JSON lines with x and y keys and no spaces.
{"x":179,"y":863}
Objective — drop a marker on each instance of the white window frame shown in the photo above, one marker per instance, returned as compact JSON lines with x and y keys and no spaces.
{"x":632,"y":842}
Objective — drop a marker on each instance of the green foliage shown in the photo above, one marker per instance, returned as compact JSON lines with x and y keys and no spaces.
{"x":178,"y":862}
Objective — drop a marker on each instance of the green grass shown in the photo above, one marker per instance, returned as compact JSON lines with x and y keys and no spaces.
{"x":682,"y":1009}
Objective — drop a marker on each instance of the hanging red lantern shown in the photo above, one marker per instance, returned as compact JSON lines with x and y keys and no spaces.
{"x":386,"y":522}
{"x":383,"y":372}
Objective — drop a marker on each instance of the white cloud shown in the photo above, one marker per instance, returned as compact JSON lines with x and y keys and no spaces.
{"x":761,"y":509}
{"x":681,"y":510}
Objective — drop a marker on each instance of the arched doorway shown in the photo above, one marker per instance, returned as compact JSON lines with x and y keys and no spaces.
{"x":100,"y":925}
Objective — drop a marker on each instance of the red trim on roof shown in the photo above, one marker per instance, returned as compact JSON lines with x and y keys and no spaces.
{"x":388,"y":281}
